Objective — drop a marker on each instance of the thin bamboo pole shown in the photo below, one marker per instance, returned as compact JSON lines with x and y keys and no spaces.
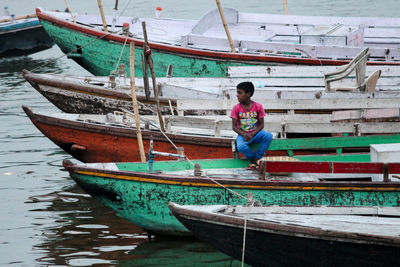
{"x":147,"y":53}
{"x":285,"y":6}
{"x":134,"y":101}
{"x":103,"y":18}
{"x":19,"y":17}
{"x":70,"y":11}
{"x":221,"y":13}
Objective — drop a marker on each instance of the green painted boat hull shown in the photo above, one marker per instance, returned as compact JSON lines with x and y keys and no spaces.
{"x":143,"y":201}
{"x":100,"y":56}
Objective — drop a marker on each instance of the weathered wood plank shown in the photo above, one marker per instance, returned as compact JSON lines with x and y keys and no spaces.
{"x":213,"y":84}
{"x":309,"y":51}
{"x":291,"y":104}
{"x":282,"y":124}
{"x":319,"y":20}
{"x":300,"y":71}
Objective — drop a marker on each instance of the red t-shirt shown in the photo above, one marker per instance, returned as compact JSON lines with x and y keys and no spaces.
{"x":248,"y":119}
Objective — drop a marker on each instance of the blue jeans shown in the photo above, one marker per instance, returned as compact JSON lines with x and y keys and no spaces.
{"x":262,"y":137}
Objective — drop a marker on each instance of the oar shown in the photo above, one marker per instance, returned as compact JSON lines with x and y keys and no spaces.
{"x":134,"y":101}
{"x":221,"y":13}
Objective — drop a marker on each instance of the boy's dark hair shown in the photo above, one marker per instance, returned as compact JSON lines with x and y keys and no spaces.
{"x":248,"y":87}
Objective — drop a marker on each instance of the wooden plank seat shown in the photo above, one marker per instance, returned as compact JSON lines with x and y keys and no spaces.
{"x":291,"y":106}
{"x":370,"y":115}
{"x":305,"y":50}
{"x":302,"y":71}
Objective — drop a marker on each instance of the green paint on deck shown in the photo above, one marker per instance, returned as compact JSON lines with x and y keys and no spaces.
{"x":184,"y":165}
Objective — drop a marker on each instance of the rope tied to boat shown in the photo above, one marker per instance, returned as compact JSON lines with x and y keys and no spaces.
{"x":245,"y":230}
{"x":120,"y":55}
{"x":249,"y":197}
{"x":190,"y":161}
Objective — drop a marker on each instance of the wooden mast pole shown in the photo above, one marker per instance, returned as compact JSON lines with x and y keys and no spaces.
{"x":285,"y":6}
{"x":103,"y":18}
{"x":147,"y":53}
{"x":134,"y":101}
{"x":70,"y":11}
{"x":221,"y":13}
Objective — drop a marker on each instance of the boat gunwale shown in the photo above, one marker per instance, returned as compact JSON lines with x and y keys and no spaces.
{"x":183,"y":180}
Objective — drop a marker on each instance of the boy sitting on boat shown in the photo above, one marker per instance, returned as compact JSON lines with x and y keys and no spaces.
{"x":248,"y":122}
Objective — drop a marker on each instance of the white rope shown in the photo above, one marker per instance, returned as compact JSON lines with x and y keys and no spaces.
{"x":123,"y":10}
{"x":244,"y":232}
{"x":155,"y":125}
{"x":226,"y":188}
{"x":120,"y":56}
{"x":191,"y":162}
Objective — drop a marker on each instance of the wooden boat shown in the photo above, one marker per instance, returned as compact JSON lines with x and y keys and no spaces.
{"x":312,"y":236}
{"x":196,"y":48}
{"x":96,"y":95}
{"x":77,"y":96}
{"x":112,"y":138}
{"x":139,"y":192}
{"x":22,"y":36}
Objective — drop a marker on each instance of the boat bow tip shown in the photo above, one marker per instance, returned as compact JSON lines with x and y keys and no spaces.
{"x":67,"y":163}
{"x":25,"y":72}
{"x":27,"y":109}
{"x":38,"y":10}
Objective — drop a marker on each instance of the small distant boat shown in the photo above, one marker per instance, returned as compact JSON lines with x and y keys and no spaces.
{"x":140,"y":192}
{"x":298,"y":235}
{"x":200,"y":47}
{"x":23,"y":35}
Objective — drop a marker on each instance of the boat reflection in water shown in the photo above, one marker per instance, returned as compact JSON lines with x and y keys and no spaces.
{"x":78,"y":231}
{"x":178,"y":251}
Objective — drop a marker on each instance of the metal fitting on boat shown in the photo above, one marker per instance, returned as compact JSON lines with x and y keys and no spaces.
{"x":125,"y":28}
{"x":197,"y":169}
{"x":111,"y":80}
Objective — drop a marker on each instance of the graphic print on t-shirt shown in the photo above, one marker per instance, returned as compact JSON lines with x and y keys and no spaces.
{"x":248,"y":120}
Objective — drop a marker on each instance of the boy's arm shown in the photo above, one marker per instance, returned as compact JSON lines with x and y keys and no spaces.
{"x":236,"y":129}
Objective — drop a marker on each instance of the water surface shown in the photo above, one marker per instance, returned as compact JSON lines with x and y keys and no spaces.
{"x":45,"y":218}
